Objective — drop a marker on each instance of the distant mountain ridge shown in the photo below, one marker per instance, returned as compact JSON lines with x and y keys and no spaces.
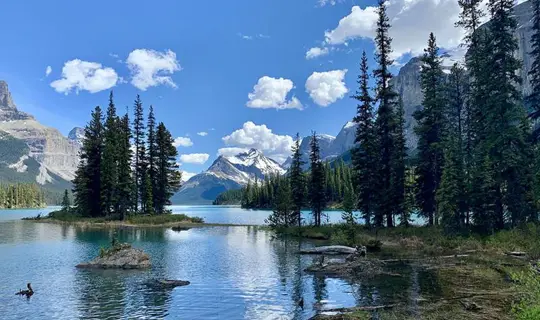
{"x":31,"y":151}
{"x":226,"y":173}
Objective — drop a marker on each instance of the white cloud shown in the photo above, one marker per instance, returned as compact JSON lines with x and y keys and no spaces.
{"x":48,"y":71}
{"x":316,"y":52}
{"x":182,"y":142}
{"x":326,"y":88}
{"x":197,"y":158}
{"x":322,"y":3}
{"x":262,"y":138}
{"x":150,"y":68}
{"x":187,"y":175}
{"x":411,"y":23}
{"x":272,"y":93}
{"x":83,"y":75}
{"x":248,"y":37}
{"x":202,"y":133}
{"x":231,"y":151}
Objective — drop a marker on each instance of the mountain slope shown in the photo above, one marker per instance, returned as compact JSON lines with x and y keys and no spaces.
{"x":32,"y":152}
{"x":226,"y":173}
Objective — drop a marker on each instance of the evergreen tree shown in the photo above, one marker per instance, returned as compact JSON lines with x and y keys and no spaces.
{"x":398,"y":165}
{"x":317,"y":181}
{"x":109,"y":170}
{"x":87,"y":181}
{"x":125,"y":174}
{"x":283,"y":214}
{"x":384,"y":124}
{"x":168,"y":179}
{"x":66,"y":203}
{"x":152,"y":154}
{"x":505,"y":144}
{"x":534,"y":98}
{"x":430,"y":131}
{"x":452,"y":193}
{"x":364,"y":154}
{"x":296,"y":178}
{"x":140,"y":153}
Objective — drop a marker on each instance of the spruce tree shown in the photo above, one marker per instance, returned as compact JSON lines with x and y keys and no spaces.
{"x":364,"y":154}
{"x":109,"y":175}
{"x":140,"y":153}
{"x":87,"y":181}
{"x":125,"y":175}
{"x":452,"y":193}
{"x":534,"y":97}
{"x":505,"y":144}
{"x":168,"y":179}
{"x":429,"y":129}
{"x":398,"y":165}
{"x":152,"y":154}
{"x":283,"y":214}
{"x":317,"y":181}
{"x":66,"y":203}
{"x":385,"y":122}
{"x":296,"y":178}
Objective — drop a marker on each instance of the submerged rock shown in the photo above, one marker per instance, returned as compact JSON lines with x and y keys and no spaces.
{"x":121,"y":256}
{"x":167,"y":284}
{"x":329,"y":250}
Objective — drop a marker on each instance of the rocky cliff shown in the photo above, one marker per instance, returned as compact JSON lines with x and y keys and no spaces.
{"x":407,"y":81}
{"x":55,"y":155}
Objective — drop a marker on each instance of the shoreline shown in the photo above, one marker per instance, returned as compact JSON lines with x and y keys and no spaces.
{"x":127,"y":224}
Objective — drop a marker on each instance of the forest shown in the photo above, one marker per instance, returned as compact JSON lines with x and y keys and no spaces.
{"x":21,"y":195}
{"x":476,"y":166}
{"x":126,"y":168}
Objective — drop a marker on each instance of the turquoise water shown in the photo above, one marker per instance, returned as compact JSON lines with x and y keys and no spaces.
{"x":235,"y":272}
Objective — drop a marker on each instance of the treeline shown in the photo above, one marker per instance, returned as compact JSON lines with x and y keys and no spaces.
{"x":125,"y":168}
{"x":21,"y":195}
{"x":262,"y":194}
{"x":229,"y":197}
{"x":477,"y":163}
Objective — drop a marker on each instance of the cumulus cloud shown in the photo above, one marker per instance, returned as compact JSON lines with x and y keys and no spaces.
{"x":202,"y":133}
{"x":187,"y":175}
{"x":231,"y":151}
{"x":316,"y":52}
{"x":411,"y":23}
{"x":326,"y":88}
{"x":260,"y":137}
{"x":83,"y":75}
{"x":196,"y":158}
{"x":182,"y":142}
{"x":272,"y":93}
{"x":48,"y":71}
{"x":150,"y":68}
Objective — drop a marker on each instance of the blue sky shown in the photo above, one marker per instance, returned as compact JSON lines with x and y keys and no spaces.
{"x":234,"y":70}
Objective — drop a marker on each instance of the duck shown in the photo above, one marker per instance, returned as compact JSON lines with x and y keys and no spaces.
{"x":300,"y":303}
{"x":28,"y":293}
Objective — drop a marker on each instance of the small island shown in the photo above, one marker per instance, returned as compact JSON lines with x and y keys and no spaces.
{"x":119,"y":256}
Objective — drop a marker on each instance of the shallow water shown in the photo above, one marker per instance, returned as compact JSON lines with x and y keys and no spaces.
{"x":235,"y":272}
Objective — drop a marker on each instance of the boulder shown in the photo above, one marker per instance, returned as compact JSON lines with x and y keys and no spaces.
{"x":121,"y":256}
{"x":329,"y":250}
{"x":167,"y":284}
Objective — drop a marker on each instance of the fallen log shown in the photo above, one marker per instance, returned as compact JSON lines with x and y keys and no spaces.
{"x":364,"y":308}
{"x":516,"y":253}
{"x":329,"y":250}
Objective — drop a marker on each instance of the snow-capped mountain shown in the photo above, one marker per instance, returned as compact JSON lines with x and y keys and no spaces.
{"x":330,"y":147}
{"x":231,"y":172}
{"x":76,"y":135}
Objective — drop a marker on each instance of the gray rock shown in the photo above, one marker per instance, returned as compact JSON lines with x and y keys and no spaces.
{"x":8,"y":110}
{"x":122,"y":256}
{"x":167,"y":284}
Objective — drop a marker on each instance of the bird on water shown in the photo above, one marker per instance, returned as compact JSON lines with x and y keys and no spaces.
{"x":27,"y":293}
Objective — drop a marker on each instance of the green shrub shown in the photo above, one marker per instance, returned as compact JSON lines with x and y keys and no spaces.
{"x":528,"y":307}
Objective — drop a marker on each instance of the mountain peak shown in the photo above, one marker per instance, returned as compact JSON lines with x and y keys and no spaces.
{"x":76,"y":135}
{"x":8,"y":110}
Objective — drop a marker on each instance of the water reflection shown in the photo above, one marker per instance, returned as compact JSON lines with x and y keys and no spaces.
{"x":235,"y":273}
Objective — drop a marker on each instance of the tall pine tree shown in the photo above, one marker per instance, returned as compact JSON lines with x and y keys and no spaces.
{"x":398,"y":165}
{"x":152,"y":153}
{"x":430,"y":132}
{"x":317,"y":181}
{"x":385,"y":122}
{"x":168,"y":177}
{"x":364,"y":154}
{"x":296,"y":177}
{"x":141,"y":164}
{"x":109,"y":165}
{"x":125,"y":174}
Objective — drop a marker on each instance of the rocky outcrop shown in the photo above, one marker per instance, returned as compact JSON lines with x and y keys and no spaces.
{"x":55,"y":154}
{"x":121,"y":256}
{"x":8,"y":110}
{"x":167,"y":284}
{"x":76,"y":135}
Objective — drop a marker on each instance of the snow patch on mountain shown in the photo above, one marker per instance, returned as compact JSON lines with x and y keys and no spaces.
{"x":19,"y":166}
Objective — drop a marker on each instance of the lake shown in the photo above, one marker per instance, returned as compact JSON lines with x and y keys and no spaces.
{"x":235,"y":272}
